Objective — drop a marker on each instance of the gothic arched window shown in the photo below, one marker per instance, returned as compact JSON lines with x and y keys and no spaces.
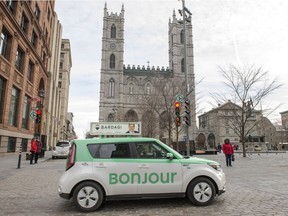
{"x":112,"y":61}
{"x":113,"y":31}
{"x":131,"y":88}
{"x":148,"y":89}
{"x":182,"y":65}
{"x":182,"y":36}
{"x":111,"y":88}
{"x":111,"y":117}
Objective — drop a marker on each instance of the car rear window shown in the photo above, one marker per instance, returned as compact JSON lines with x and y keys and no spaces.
{"x":62,"y":144}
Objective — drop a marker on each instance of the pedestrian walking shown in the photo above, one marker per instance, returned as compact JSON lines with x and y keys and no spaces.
{"x":39,"y":149}
{"x":219,"y":147}
{"x":228,"y":150}
{"x":33,"y":149}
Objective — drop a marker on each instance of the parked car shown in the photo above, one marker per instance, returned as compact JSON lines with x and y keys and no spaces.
{"x":61,"y":150}
{"x":136,"y":168}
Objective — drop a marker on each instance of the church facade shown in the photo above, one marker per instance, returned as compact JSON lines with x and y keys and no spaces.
{"x":146,"y":94}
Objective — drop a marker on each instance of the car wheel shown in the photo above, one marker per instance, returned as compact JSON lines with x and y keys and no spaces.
{"x":201,"y":191}
{"x":88,"y":196}
{"x":53,"y":157}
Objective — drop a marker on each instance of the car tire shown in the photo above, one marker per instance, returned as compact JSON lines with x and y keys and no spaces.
{"x":53,"y":157}
{"x":88,"y":196}
{"x":201,"y":191}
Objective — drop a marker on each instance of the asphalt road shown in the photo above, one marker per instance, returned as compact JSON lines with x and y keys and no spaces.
{"x":256,"y":185}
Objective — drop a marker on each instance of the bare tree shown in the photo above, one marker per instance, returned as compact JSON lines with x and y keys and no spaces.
{"x":247,"y":87}
{"x":161,"y":102}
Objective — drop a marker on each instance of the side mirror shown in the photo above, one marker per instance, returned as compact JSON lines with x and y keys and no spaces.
{"x":169,"y":156}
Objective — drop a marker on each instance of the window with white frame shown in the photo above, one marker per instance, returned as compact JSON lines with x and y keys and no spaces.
{"x":111,"y":92}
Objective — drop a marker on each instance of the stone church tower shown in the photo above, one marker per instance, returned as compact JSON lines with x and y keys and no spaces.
{"x":129,"y":93}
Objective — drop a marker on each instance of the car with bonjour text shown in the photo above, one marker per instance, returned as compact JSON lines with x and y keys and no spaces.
{"x":103,"y":169}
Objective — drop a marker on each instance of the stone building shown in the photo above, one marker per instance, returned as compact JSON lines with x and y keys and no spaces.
{"x":137,"y":93}
{"x":31,"y":54}
{"x":223,"y":122}
{"x":25,"y":50}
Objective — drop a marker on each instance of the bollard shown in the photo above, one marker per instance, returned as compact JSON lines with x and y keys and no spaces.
{"x":19,"y":158}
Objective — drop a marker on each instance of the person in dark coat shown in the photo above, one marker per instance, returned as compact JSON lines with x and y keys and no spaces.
{"x":39,"y":149}
{"x":228,"y":150}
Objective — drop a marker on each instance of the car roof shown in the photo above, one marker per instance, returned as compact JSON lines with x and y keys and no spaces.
{"x":113,"y":139}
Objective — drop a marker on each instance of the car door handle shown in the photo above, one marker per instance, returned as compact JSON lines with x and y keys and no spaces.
{"x":100,"y":165}
{"x":143,"y":166}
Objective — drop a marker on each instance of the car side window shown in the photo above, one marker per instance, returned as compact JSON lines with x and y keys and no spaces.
{"x":150,"y":150}
{"x":117,"y":150}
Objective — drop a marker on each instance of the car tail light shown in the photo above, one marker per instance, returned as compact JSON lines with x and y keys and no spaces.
{"x":71,"y":157}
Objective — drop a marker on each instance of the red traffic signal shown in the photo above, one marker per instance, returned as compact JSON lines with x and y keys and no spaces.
{"x":177,"y":104}
{"x":38,"y":112}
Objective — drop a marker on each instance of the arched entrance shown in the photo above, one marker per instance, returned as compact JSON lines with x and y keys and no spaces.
{"x":211,"y":141}
{"x":201,"y":141}
{"x":131,"y":116}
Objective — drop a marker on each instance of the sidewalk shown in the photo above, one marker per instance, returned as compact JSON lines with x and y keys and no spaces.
{"x":9,"y":162}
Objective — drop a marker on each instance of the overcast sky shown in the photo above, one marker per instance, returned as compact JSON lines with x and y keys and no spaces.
{"x":239,"y":32}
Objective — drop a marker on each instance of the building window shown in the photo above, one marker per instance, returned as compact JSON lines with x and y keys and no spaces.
{"x":24,"y":145}
{"x":60,"y":75}
{"x":62,"y":55}
{"x":110,"y":117}
{"x":131,"y":88}
{"x":182,"y":65}
{"x":14,"y":107}
{"x":112,"y":61}
{"x":2,"y":93}
{"x":48,"y":14}
{"x":182,"y":37}
{"x":5,"y":43}
{"x":62,"y":46}
{"x":11,"y":147}
{"x":25,"y":116}
{"x":19,"y":59}
{"x":11,"y":5}
{"x":37,"y":12}
{"x":34,"y":39}
{"x":113,"y":31}
{"x":111,"y":88}
{"x":24,"y":23}
{"x":227,"y":130}
{"x":59,"y":84}
{"x":148,"y":89}
{"x":61,"y":66}
{"x":30,"y":71}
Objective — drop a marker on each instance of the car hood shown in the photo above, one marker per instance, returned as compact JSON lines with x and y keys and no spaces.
{"x":195,"y":160}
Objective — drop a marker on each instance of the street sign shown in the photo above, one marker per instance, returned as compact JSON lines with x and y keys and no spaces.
{"x":180,"y":98}
{"x":33,"y":115}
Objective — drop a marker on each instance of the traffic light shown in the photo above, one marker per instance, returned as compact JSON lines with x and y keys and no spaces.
{"x":39,"y":115}
{"x":187,"y":117}
{"x":177,"y":113}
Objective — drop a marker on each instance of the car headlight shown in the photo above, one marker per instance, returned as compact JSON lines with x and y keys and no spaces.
{"x":215,"y":166}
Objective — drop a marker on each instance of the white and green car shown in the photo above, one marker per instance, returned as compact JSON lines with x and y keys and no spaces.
{"x":136,"y":168}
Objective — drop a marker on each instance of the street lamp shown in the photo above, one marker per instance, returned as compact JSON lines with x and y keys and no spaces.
{"x":41,"y":94}
{"x":186,"y":18}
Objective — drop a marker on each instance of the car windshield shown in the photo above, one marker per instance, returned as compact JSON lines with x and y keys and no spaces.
{"x":62,"y":144}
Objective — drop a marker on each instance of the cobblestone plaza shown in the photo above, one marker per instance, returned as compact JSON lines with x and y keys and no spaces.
{"x":256,"y":185}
